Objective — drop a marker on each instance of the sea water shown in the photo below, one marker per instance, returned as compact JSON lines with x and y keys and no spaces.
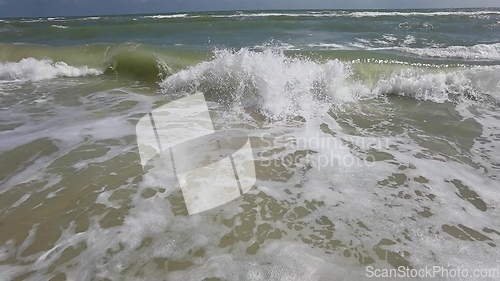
{"x":376,"y":139}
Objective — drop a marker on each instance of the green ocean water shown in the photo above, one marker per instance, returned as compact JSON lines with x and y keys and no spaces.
{"x":375,"y":134}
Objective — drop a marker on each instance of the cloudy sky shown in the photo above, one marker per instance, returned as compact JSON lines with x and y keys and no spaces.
{"x":36,"y":8}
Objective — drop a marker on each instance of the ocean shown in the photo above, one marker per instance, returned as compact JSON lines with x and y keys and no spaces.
{"x":375,"y":137}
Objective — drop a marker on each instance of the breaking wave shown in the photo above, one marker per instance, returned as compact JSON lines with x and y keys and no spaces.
{"x":279,"y":86}
{"x":476,"y":52}
{"x":30,"y":69}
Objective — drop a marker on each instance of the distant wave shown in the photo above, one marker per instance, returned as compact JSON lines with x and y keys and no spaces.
{"x":59,"y":26}
{"x":265,"y":15}
{"x":91,"y":18}
{"x":334,"y":14}
{"x":291,"y":14}
{"x":476,"y":52}
{"x":170,"y":16}
{"x":328,"y":46}
{"x":30,"y":69}
{"x":480,"y":52}
{"x":32,"y":20}
{"x":423,"y":14}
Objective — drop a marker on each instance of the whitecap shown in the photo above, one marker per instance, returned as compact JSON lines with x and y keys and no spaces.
{"x":30,"y":69}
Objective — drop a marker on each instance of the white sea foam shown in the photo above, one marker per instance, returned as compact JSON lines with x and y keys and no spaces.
{"x":476,"y":52}
{"x":280,"y":86}
{"x":168,"y":16}
{"x":277,"y":85}
{"x":30,"y":69}
{"x":409,"y":39}
{"x":276,"y":45}
{"x":328,"y":46}
{"x":90,"y":18}
{"x":423,"y":14}
{"x":390,"y":42}
{"x":264,"y":15}
{"x":59,"y":26}
{"x":441,"y":86}
{"x":476,"y":14}
{"x":32,"y":20}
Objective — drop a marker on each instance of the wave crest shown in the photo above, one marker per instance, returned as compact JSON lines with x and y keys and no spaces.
{"x":30,"y":69}
{"x":270,"y":82}
{"x":476,"y":52}
{"x":333,"y":14}
{"x":280,"y":87}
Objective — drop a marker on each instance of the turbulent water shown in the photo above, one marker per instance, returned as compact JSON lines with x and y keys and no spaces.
{"x":376,"y":137}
